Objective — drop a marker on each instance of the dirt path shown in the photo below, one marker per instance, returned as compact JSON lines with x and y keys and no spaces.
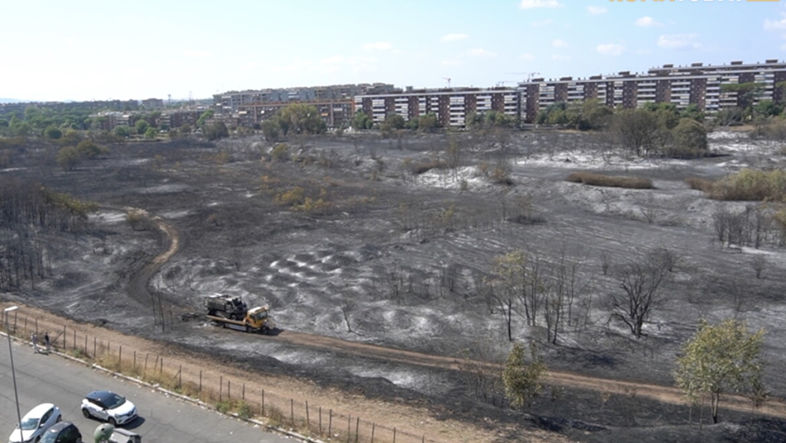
{"x":666,"y":394}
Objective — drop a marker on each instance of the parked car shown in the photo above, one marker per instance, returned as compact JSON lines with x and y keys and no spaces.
{"x":120,"y":435}
{"x":63,"y":432}
{"x":109,"y":407}
{"x":35,"y":423}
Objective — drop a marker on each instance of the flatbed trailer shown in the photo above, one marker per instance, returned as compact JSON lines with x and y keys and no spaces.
{"x":239,"y":325}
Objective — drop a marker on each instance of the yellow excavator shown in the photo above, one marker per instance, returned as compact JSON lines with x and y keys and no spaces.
{"x":232,"y":312}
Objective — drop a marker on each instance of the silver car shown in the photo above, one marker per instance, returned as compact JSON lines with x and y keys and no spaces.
{"x":35,"y":423}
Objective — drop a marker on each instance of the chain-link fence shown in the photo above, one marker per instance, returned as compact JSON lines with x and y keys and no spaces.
{"x":230,"y":393}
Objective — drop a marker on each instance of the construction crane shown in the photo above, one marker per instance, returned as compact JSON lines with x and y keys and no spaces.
{"x":448,"y":80}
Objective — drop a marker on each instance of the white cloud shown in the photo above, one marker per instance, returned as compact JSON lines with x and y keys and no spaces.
{"x":678,"y":41}
{"x":377,"y":46}
{"x":532,"y":4}
{"x":453,"y":37}
{"x":596,"y":10}
{"x":647,"y":22}
{"x":480,"y":52}
{"x":559,"y":43}
{"x":775,"y":25}
{"x":527,"y":57}
{"x":560,"y":58}
{"x":610,"y":49}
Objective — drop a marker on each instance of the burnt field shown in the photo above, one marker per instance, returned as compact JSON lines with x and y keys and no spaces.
{"x":392,"y":241}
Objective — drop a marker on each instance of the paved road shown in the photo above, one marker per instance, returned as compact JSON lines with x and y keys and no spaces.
{"x":49,"y":378}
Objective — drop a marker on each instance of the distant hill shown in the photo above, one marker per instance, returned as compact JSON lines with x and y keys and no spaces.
{"x":10,"y":100}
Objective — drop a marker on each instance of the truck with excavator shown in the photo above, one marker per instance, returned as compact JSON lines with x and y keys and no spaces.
{"x":232,"y":312}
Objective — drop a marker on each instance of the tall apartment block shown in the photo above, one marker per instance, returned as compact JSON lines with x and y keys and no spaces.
{"x":450,"y":106}
{"x":684,"y":85}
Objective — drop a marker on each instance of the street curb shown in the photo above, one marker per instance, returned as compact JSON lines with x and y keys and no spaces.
{"x":182,"y":397}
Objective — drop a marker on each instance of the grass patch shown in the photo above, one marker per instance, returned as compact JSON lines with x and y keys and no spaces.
{"x":700,"y":184}
{"x":594,"y":179}
{"x":746,"y":185}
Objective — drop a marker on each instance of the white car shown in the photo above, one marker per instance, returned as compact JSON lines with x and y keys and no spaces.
{"x":35,"y":423}
{"x":109,"y":407}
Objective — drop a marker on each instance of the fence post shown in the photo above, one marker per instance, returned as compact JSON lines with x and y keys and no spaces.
{"x":357,"y":429}
{"x":229,"y":389}
{"x":349,"y":428}
{"x":64,"y":334}
{"x":94,"y":348}
{"x":394,"y":434}
{"x":120,"y":357}
{"x":73,"y":345}
{"x":200,"y":382}
{"x":330,"y":423}
{"x":36,"y":326}
{"x":292,"y":412}
{"x":308,"y":421}
{"x":144,"y":372}
{"x":373,"y":427}
{"x":263,"y":402}
{"x":320,"y":420}
{"x":243,"y":392}
{"x":161,"y":368}
{"x":220,"y":388}
{"x":180,"y":377}
{"x":133,"y":365}
{"x":86,"y":344}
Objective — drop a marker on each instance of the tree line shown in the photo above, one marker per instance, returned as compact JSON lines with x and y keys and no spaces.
{"x":27,"y":211}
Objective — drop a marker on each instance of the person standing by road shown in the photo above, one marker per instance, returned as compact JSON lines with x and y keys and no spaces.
{"x":46,"y":341}
{"x":34,"y":339}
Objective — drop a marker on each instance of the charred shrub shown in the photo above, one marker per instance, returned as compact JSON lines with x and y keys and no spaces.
{"x":591,"y":178}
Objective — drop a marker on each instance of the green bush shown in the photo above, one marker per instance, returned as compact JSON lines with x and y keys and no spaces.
{"x":280,"y":152}
{"x":591,"y":178}
{"x":752,"y":184}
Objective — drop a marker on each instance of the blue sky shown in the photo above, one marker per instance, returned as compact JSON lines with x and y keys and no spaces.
{"x":97,"y":50}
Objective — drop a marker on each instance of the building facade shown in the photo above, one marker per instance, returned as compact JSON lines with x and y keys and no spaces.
{"x":452,"y":107}
{"x":703,"y":86}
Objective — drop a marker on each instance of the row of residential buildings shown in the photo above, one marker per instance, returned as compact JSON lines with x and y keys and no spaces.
{"x":697,"y":84}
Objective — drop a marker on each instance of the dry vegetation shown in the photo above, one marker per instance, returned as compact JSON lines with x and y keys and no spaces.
{"x":594,"y":179}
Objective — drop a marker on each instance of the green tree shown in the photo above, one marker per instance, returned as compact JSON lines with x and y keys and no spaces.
{"x":521,"y":378}
{"x":204,"y":117}
{"x":53,"y":132}
{"x":216,"y":130}
{"x":300,"y":118}
{"x":88,"y":149}
{"x":361,"y":121}
{"x":151,"y":133}
{"x":68,"y":157}
{"x":393,"y":122}
{"x":594,"y":115}
{"x":141,"y":126}
{"x":427,"y":122}
{"x":721,"y":358}
{"x":122,"y":131}
{"x":767,"y":108}
{"x":689,"y":140}
{"x":636,"y":129}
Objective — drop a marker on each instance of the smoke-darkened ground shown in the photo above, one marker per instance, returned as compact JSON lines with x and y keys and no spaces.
{"x":382,"y":255}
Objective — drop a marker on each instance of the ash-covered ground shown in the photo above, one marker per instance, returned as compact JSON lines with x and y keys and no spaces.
{"x":387,"y":254}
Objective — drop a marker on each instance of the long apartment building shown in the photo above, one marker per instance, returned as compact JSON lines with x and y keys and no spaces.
{"x":334,"y":103}
{"x":696,"y":84}
{"x":450,"y":106}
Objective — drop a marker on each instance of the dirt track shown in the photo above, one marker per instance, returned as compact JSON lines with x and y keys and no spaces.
{"x":667,"y":394}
